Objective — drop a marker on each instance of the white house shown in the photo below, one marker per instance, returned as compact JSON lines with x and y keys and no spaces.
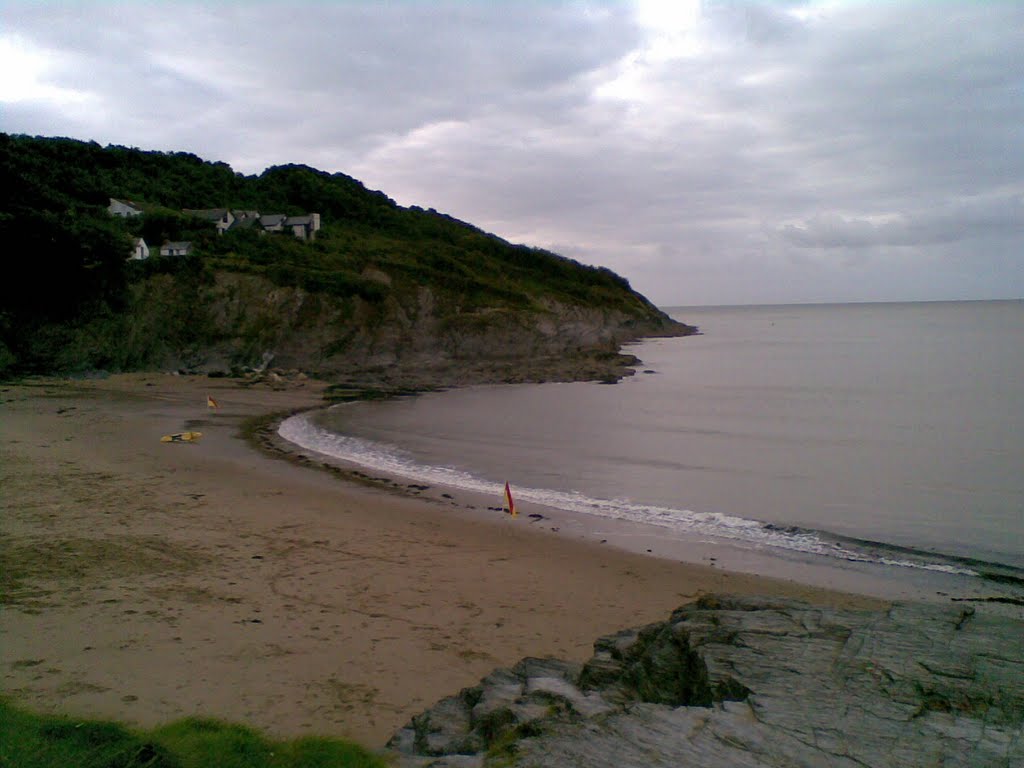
{"x":140,"y":250}
{"x":182,"y":248}
{"x":123,"y":208}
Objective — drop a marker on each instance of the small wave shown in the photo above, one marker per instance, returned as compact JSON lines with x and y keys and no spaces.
{"x":301,"y":431}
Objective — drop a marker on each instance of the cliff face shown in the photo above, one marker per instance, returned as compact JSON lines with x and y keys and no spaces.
{"x":245,"y":321}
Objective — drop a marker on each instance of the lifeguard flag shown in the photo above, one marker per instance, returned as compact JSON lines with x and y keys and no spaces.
{"x":211,"y":403}
{"x":510,"y":505}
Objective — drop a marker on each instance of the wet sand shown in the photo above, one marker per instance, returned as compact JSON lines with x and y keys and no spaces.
{"x":147,"y":581}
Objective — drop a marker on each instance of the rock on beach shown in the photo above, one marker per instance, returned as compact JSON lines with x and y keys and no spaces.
{"x":729,"y":681}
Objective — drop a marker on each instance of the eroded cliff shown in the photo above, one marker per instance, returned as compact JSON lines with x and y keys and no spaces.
{"x":414,"y":339}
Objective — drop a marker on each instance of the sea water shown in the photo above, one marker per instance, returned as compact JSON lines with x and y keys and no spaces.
{"x":873,"y":433}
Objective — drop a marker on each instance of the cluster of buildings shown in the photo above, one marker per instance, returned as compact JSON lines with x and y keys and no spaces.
{"x":140,"y":250}
{"x":301,"y":227}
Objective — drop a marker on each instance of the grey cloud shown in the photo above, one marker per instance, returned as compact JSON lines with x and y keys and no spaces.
{"x":337,"y":73}
{"x":949,"y":223}
{"x":858,"y":151}
{"x":834,"y":231}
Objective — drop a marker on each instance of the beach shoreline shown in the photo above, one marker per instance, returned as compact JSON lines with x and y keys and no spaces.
{"x":896,"y":580}
{"x":148,"y":581}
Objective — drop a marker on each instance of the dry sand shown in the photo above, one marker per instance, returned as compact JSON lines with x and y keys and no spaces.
{"x":146,"y":581}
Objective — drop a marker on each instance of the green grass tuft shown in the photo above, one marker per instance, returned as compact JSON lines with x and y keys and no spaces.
{"x":28,"y":740}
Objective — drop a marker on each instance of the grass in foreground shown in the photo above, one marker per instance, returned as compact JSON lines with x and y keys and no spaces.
{"x":28,"y":740}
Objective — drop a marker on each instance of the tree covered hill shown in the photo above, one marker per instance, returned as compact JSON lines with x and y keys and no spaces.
{"x":378,"y":282}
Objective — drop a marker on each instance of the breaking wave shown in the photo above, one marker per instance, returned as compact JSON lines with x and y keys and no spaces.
{"x":301,"y":431}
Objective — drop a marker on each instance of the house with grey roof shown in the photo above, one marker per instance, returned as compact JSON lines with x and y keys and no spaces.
{"x":179,"y":248}
{"x":222,"y":218}
{"x":124,"y":208}
{"x":272,"y":222}
{"x":303,"y":227}
{"x":244,"y":223}
{"x":244,"y":220}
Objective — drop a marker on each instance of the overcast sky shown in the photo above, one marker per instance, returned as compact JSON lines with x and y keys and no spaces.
{"x":712,"y":153}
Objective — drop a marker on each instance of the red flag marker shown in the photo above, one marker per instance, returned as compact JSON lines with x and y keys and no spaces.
{"x":510,"y":505}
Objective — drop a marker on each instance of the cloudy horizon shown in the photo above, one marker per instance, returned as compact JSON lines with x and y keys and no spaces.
{"x":711,"y":153}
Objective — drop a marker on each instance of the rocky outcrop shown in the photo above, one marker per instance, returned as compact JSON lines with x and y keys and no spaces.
{"x":421,"y":340}
{"x":750,"y":682}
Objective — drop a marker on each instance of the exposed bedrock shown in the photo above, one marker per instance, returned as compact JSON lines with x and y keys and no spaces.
{"x":246,"y":322}
{"x":750,"y":682}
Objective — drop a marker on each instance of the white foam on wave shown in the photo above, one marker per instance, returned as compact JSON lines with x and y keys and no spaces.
{"x":301,"y":431}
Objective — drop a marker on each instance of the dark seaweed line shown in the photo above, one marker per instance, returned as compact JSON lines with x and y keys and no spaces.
{"x":1002,"y":573}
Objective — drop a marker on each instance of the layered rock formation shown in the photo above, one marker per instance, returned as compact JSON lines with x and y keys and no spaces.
{"x":750,"y":682}
{"x":244,"y":320}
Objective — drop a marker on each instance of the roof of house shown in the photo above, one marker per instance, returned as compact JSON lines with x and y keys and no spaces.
{"x":291,"y":221}
{"x":212,"y":214}
{"x":180,"y":245}
{"x":129,"y":203}
{"x":272,"y":219}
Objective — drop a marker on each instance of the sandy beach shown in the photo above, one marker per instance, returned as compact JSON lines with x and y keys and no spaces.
{"x":147,"y":581}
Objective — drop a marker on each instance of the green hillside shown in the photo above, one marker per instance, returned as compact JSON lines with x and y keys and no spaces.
{"x":67,"y":256}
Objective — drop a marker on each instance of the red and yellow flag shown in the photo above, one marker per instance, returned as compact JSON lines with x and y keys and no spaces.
{"x":510,"y":505}
{"x":211,"y":403}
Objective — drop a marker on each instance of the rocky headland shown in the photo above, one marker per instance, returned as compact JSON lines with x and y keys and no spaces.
{"x":410,"y":342}
{"x":750,"y":682}
{"x":378,"y":295}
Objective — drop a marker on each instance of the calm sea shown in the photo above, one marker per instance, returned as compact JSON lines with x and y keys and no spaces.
{"x":888,"y":433}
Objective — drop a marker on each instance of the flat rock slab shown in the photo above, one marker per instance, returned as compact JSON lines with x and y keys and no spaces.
{"x":751,"y":682}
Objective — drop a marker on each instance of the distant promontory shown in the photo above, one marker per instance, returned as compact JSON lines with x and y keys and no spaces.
{"x":120,"y":259}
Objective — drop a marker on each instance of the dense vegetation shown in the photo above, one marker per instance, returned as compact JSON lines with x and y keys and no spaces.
{"x":67,"y":256}
{"x":28,"y":740}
